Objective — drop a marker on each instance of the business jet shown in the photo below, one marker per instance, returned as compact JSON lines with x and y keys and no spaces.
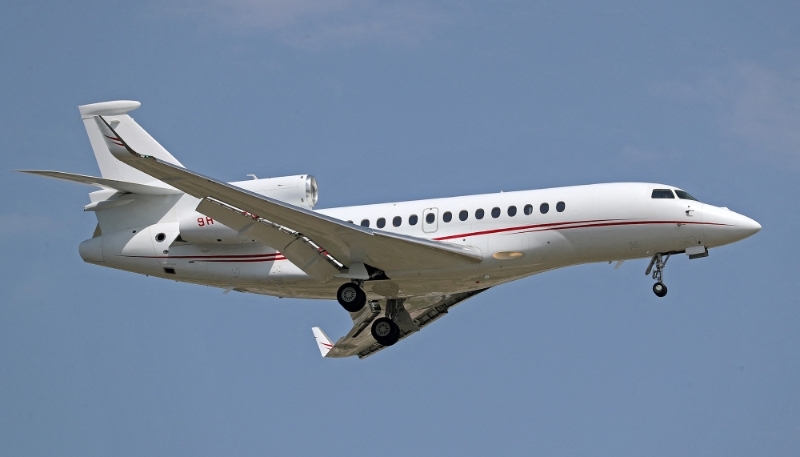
{"x":394,"y":267}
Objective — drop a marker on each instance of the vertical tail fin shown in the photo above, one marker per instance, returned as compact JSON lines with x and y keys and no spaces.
{"x":323,"y":342}
{"x":115,"y":113}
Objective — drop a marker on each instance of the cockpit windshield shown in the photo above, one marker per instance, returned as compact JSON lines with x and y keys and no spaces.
{"x":662,"y":193}
{"x":684,"y":195}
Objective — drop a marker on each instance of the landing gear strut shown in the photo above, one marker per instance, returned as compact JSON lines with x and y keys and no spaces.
{"x":657,"y":265}
{"x":351,"y":296}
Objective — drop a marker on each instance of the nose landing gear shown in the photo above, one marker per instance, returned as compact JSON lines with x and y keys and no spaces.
{"x":657,"y":265}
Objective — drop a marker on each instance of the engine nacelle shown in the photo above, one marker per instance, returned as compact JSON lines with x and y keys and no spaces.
{"x":300,"y":190}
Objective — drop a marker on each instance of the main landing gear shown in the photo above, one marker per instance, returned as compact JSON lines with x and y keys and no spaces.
{"x":657,"y":265}
{"x":386,"y":330}
{"x":351,"y":296}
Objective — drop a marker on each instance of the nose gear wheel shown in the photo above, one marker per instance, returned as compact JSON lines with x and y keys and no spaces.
{"x":657,"y":265}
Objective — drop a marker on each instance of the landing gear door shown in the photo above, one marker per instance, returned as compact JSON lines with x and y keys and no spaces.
{"x":430,"y":220}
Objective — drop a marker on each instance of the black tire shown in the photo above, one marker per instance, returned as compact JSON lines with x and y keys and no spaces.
{"x":659,"y":289}
{"x":385,"y":331}
{"x":351,"y":297}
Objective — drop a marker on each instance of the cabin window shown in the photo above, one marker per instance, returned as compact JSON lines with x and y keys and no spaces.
{"x":512,"y":211}
{"x":161,"y":237}
{"x":560,"y":206}
{"x":479,"y":213}
{"x":662,"y":193}
{"x":397,"y":221}
{"x":381,"y":223}
{"x":447,"y":216}
{"x":684,"y":195}
{"x":412,"y":219}
{"x":544,"y":208}
{"x":365,"y":223}
{"x":495,"y":212}
{"x":463,"y":215}
{"x":528,"y":210}
{"x":430,"y":218}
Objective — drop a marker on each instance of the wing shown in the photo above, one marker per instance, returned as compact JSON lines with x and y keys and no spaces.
{"x":314,"y":242}
{"x":359,"y":341}
{"x":122,"y":186}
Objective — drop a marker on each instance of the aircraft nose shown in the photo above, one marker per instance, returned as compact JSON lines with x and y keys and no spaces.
{"x":724,"y":226}
{"x":748,"y":226}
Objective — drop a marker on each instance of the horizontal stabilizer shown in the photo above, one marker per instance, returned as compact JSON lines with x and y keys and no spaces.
{"x":121,"y":186}
{"x":323,"y":342}
{"x":114,"y":108}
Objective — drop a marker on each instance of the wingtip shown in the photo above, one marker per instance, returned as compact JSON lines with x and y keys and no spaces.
{"x":323,"y":342}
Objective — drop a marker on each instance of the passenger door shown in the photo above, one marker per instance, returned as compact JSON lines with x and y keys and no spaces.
{"x":430,"y":220}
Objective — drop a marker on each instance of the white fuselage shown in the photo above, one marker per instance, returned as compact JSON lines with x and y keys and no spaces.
{"x":601,"y":222}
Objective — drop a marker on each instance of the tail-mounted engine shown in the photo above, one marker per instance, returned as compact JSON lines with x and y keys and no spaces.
{"x":298,"y":190}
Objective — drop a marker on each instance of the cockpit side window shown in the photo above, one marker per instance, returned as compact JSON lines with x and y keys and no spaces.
{"x":684,"y":195}
{"x":662,"y":193}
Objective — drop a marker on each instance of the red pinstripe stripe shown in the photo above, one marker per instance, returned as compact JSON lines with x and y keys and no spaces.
{"x":218,"y":258}
{"x":568,"y":225}
{"x":242,"y":258}
{"x":245,"y":260}
{"x":222,"y":256}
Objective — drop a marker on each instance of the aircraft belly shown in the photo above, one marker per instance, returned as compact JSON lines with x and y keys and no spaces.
{"x":631,"y":241}
{"x":607,"y":243}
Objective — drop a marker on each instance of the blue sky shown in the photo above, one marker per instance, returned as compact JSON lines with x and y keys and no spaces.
{"x":386,"y":101}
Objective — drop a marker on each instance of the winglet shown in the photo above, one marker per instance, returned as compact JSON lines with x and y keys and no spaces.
{"x":323,"y":342}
